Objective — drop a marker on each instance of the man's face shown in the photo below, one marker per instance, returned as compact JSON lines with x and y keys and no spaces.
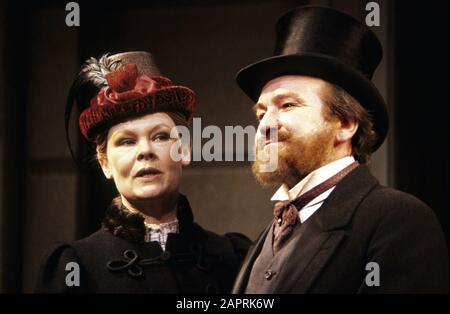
{"x":291,"y":105}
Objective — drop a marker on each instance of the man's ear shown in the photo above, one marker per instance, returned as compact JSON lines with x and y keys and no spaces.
{"x":346,"y":131}
{"x":103,"y":161}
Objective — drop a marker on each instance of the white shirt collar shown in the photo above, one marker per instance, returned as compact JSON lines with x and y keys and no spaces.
{"x":311,"y":180}
{"x":160,"y":232}
{"x":170,"y":226}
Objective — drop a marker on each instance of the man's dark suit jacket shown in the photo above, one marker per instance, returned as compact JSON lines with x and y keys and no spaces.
{"x":362,"y":222}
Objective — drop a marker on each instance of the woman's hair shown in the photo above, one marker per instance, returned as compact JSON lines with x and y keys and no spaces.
{"x":340,"y":104}
{"x":101,"y":139}
{"x":101,"y":142}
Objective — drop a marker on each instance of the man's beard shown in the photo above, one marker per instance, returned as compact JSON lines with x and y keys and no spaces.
{"x":297,"y":156}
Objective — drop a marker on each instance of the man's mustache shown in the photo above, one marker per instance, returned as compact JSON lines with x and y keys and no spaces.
{"x":273,"y":136}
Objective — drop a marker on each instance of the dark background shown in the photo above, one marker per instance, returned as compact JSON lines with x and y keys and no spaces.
{"x":422,"y":104}
{"x":46,"y":197}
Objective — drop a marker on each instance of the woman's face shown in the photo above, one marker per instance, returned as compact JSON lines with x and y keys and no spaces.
{"x":138,"y":158}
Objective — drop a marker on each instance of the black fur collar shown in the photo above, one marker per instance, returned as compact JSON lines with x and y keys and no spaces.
{"x":130,"y":226}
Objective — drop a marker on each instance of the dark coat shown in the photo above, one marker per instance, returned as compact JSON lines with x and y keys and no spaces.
{"x":115,"y":259}
{"x":361,"y":222}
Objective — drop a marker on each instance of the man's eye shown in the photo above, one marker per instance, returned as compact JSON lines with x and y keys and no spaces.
{"x":260,"y":116}
{"x":160,"y":137}
{"x":288,"y":105}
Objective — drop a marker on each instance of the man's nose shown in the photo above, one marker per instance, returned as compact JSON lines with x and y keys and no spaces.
{"x":270,"y":123}
{"x":145,"y":150}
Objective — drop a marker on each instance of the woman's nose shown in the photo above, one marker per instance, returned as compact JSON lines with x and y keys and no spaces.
{"x":145,"y":150}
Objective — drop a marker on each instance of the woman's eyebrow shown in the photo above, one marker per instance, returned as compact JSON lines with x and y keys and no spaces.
{"x":133,"y":130}
{"x":160,"y":126}
{"x":123,"y":132}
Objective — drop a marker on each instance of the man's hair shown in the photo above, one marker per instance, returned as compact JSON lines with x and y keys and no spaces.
{"x":340,"y":104}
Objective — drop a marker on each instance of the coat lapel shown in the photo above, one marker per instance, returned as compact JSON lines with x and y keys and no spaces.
{"x":247,"y":265}
{"x":324,"y":233}
{"x":310,"y":254}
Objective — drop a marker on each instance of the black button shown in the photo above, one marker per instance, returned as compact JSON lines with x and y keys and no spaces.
{"x":165,"y":256}
{"x":268,"y":274}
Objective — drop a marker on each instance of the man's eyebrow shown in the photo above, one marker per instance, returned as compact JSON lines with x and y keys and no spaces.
{"x":279,"y":98}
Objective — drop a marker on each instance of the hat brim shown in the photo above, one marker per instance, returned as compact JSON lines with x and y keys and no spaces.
{"x":254,"y":77}
{"x":168,"y":99}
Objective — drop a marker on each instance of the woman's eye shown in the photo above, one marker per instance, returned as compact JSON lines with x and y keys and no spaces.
{"x":126,"y":141}
{"x":160,"y":137}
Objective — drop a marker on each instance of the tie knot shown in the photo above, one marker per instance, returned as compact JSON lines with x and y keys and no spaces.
{"x":280,"y":207}
{"x":285,"y":211}
{"x":286,"y":219}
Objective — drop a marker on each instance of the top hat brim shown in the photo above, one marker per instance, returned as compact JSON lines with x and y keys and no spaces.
{"x":254,"y":77}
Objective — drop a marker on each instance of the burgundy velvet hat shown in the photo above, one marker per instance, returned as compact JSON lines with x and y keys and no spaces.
{"x":321,"y":42}
{"x":122,"y":86}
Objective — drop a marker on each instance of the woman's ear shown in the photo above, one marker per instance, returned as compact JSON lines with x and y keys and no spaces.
{"x":103,"y":161}
{"x":186,"y":153}
{"x":346,"y":131}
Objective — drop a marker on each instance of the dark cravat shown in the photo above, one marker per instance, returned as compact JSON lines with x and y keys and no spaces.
{"x":286,"y":212}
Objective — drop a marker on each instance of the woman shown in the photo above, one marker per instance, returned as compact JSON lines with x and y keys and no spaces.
{"x":148,"y":242}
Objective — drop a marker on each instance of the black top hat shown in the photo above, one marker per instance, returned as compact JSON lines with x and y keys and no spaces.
{"x":328,"y":44}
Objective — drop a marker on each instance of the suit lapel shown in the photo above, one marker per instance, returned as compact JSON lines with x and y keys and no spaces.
{"x":247,"y":265}
{"x":324,"y":232}
{"x":309,"y":256}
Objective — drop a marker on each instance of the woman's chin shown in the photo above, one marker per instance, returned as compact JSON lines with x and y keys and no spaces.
{"x":150,"y":193}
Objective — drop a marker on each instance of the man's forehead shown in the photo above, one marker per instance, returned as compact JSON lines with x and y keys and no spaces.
{"x":290,"y":85}
{"x":292,"y":82}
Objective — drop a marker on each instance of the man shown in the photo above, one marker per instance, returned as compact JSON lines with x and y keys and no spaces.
{"x":336,"y":229}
